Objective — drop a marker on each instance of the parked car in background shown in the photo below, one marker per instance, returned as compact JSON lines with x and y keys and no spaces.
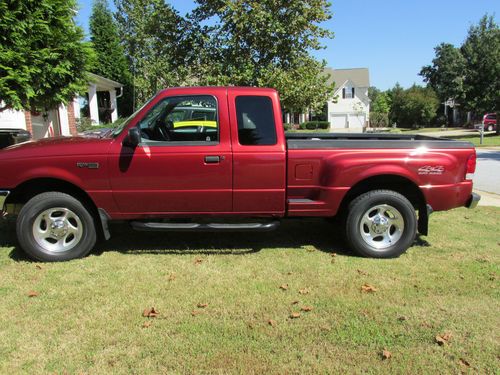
{"x":489,"y":122}
{"x":10,"y":137}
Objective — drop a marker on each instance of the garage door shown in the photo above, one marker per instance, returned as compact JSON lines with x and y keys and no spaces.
{"x":338,"y":121}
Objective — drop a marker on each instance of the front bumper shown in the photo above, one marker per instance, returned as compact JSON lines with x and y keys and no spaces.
{"x":3,"y":196}
{"x":473,"y":200}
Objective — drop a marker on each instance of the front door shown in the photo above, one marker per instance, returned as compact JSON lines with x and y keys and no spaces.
{"x":183,"y":163}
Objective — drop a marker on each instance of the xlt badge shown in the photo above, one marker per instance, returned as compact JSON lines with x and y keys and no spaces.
{"x":87,"y":165}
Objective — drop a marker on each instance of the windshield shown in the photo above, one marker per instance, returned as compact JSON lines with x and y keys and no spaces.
{"x":122,"y":126}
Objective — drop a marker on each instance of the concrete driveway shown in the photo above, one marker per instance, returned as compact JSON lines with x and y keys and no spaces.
{"x":487,"y":176}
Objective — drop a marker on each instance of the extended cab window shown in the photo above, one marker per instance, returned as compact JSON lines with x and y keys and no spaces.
{"x":255,"y":120}
{"x":181,"y":119}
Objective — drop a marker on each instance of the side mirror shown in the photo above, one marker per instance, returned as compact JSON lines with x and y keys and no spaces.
{"x":133,"y":138}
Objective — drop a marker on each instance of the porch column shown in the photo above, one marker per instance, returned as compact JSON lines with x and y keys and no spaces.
{"x":94,"y":110}
{"x":114,"y":106}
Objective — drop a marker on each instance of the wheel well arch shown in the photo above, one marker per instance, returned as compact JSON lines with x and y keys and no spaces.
{"x":23,"y":192}
{"x":399,"y":184}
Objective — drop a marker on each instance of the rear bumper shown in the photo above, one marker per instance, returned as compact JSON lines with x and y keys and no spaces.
{"x":473,"y":200}
{"x":3,"y":196}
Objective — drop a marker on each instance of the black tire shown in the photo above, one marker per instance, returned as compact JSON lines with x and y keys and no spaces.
{"x":78,"y":246}
{"x":360,"y":236}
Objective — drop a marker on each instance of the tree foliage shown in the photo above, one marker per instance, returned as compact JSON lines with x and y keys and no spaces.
{"x":155,"y":38}
{"x":446,"y":75}
{"x":43,"y":59}
{"x":414,"y":106}
{"x":110,"y":57}
{"x":469,"y":74}
{"x":264,"y":43}
{"x":481,"y":51}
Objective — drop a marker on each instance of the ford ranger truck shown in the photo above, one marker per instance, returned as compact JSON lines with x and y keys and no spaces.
{"x":218,"y":159}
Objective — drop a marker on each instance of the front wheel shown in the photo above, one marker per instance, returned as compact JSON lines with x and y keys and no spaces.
{"x":55,"y":227}
{"x":381,"y":224}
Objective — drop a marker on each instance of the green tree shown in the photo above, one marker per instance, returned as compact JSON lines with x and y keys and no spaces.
{"x":446,"y":75}
{"x":481,"y":51}
{"x":111,"y":61}
{"x":382,"y":103}
{"x":43,"y":58}
{"x":155,"y":38}
{"x":413,"y":107}
{"x":264,"y":43}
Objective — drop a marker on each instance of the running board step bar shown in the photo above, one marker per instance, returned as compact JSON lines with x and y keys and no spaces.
{"x":209,"y":227}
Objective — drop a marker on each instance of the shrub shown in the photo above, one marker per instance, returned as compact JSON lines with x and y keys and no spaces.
{"x":379,"y":120}
{"x":314,"y":125}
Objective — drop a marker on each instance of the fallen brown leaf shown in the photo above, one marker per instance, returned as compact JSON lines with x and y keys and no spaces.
{"x":171,"y":277}
{"x":198,"y":261}
{"x":147,"y":324}
{"x":295,"y":315}
{"x":368,"y":288}
{"x":196,"y":312}
{"x":464,"y":362}
{"x":295,"y":302}
{"x":284,"y":287}
{"x":38,"y":267}
{"x":32,"y":293}
{"x":386,"y":354}
{"x":150,"y":313}
{"x":306,"y":308}
{"x":361,"y":272}
{"x":402,"y":318}
{"x":271,"y":322}
{"x":304,"y":291}
{"x":443,"y":339}
{"x":202,"y":305}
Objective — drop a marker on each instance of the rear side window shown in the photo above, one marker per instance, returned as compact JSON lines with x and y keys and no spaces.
{"x":255,"y":120}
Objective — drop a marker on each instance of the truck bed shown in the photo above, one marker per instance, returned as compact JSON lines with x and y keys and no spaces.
{"x":298,"y":141}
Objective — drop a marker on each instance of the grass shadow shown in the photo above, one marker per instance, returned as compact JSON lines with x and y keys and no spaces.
{"x":317,"y":233}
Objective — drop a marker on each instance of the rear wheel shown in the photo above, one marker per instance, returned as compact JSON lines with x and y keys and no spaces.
{"x":54,"y":227}
{"x":381,"y":224}
{"x":490,"y":128}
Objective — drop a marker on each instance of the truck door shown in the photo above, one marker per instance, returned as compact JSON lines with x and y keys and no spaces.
{"x":259,"y":152}
{"x":183,"y":163}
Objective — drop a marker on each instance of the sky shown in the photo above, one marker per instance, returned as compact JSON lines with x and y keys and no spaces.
{"x":392,"y":38}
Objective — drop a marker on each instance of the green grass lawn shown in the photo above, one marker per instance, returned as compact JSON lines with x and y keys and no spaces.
{"x":87,"y":318}
{"x":489,"y":140}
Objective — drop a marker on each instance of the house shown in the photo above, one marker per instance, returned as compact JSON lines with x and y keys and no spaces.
{"x":351,"y":111}
{"x":98,"y":104}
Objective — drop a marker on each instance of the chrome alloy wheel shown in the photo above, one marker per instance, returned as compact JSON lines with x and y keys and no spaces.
{"x":57,"y":229}
{"x":382,"y":226}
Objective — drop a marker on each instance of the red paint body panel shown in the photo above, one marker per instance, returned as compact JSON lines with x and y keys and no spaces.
{"x":174,"y":180}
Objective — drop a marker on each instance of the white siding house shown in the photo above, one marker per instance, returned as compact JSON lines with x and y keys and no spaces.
{"x":351,"y":112}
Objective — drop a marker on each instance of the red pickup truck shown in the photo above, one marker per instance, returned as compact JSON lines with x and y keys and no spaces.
{"x":217,"y":159}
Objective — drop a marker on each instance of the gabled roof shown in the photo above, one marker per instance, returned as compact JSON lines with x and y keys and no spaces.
{"x":359,"y":76}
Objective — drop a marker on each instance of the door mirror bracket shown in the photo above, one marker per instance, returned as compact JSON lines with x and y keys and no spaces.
{"x":133,"y":138}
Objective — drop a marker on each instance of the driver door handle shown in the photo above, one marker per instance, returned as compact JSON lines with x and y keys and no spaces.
{"x":212,"y":159}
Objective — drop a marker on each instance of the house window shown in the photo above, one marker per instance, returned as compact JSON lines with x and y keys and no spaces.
{"x":348,"y":92}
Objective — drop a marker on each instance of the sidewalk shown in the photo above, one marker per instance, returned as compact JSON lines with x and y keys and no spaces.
{"x":488,"y":199}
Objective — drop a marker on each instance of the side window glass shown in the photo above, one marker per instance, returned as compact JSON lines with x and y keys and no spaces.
{"x":255,"y":118}
{"x":182,"y":119}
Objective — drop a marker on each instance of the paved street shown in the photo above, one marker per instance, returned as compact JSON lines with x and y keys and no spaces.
{"x":487,"y":177}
